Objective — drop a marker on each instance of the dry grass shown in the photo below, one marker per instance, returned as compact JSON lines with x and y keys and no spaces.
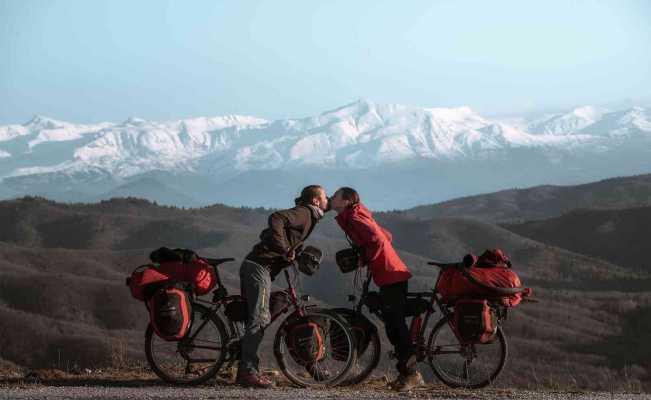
{"x":74,"y":304}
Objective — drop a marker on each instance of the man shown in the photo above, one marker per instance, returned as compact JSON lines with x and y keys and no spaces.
{"x":277,"y":248}
{"x":389,"y":273}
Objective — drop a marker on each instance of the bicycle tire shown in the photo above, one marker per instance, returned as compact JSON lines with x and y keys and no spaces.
{"x":375,"y":346}
{"x":284,"y":359}
{"x":198,"y":312}
{"x":446,"y":378}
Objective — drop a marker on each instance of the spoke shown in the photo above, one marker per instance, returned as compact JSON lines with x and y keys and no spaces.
{"x":200,"y":360}
{"x":206,"y":347}
{"x":446,"y":352}
{"x":207,"y":341}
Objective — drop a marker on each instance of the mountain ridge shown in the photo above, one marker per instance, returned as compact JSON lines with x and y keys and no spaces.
{"x":355,"y":142}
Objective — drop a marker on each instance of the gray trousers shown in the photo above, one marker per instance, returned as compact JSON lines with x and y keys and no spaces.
{"x":255,"y":283}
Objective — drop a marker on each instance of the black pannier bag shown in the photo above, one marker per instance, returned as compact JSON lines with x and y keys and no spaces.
{"x":236,"y":310}
{"x":170,"y":311}
{"x":305,"y":340}
{"x":347,"y":259}
{"x":309,"y":260}
{"x":165,"y":254}
{"x":475,"y":321}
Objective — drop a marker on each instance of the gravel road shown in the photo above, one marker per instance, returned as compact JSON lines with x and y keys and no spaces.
{"x":235,"y":392}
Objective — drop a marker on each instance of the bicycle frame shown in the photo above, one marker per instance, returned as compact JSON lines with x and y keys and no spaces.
{"x":221,"y":298}
{"x":419,"y":322}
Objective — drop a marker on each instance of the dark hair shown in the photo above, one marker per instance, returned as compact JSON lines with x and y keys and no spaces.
{"x":307,"y":194}
{"x":349,"y":194}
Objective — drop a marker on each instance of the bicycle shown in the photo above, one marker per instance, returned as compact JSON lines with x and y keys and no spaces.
{"x":457,"y":363}
{"x":211,"y":341}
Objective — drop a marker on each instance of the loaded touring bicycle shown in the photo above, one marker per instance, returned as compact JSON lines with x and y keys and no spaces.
{"x":313,"y":347}
{"x":466,"y":347}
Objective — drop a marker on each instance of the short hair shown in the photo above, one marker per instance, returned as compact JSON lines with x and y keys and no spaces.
{"x":350,"y":194}
{"x":307,"y":194}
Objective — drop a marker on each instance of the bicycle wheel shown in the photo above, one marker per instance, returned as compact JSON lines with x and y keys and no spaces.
{"x":369,"y":347}
{"x":470,"y":366}
{"x":338,"y":351}
{"x":195,"y":358}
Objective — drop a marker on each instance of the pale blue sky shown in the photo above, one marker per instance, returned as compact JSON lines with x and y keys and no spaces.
{"x":87,"y":61}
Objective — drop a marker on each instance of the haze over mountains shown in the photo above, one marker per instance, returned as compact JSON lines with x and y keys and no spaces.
{"x":397,"y":156}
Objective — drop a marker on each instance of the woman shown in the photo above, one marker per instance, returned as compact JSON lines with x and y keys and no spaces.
{"x":389,"y":273}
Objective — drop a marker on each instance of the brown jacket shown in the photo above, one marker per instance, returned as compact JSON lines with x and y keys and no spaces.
{"x":287,"y":230}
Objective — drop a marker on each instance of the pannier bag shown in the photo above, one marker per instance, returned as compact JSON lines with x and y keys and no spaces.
{"x":236,"y":310}
{"x":305,"y":340}
{"x":309,"y":260}
{"x":492,"y":268}
{"x":197,"y":273}
{"x":170,"y":312}
{"x":493,"y":258}
{"x":142,"y":281}
{"x":165,"y":254}
{"x":347,"y":260}
{"x":475,"y":321}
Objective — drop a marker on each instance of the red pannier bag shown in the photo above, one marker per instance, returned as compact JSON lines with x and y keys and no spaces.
{"x":474,"y":321}
{"x":170,"y":311}
{"x":492,"y":268}
{"x":305,"y":340}
{"x":197,"y":272}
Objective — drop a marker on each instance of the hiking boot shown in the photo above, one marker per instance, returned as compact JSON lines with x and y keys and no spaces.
{"x":408,"y":382}
{"x":254,"y":381}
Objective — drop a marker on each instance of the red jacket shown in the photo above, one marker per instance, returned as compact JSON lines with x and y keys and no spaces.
{"x":384,"y":263}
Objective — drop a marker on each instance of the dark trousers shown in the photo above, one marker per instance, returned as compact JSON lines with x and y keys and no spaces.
{"x":255,"y":282}
{"x":394,"y":308}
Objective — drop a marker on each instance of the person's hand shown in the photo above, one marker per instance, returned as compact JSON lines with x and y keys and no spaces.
{"x":290,"y":256}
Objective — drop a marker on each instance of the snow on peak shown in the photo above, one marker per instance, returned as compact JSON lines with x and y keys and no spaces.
{"x":567,"y":123}
{"x":588,"y":113}
{"x":206,"y":124}
{"x":361,"y":134}
{"x":635,"y":120}
{"x":457,"y":113}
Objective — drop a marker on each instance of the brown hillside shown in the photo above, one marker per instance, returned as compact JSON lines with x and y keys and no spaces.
{"x":63,"y":299}
{"x":619,"y":236}
{"x":544,"y":201}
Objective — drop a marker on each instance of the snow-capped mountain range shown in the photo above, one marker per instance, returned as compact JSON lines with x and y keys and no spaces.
{"x":401,"y":155}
